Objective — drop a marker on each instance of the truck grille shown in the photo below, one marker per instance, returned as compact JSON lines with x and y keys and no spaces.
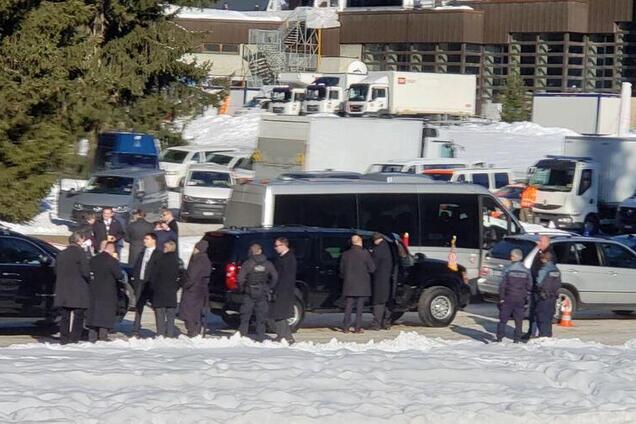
{"x":278,"y":110}
{"x":547,"y":207}
{"x":356,"y":108}
{"x":312,"y":108}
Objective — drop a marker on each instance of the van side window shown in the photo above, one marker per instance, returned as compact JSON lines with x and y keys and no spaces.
{"x":501,"y":179}
{"x":378,"y":93}
{"x":481,"y":179}
{"x":586,"y":181}
{"x":324,"y":210}
{"x":245,"y":163}
{"x":443,"y":216}
{"x":390,"y":213}
{"x":461,"y":178}
{"x":496,"y":223}
{"x":196,"y":158}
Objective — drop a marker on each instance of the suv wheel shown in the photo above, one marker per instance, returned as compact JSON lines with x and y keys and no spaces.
{"x":562,"y":294}
{"x":437,"y":306}
{"x":299,"y":314}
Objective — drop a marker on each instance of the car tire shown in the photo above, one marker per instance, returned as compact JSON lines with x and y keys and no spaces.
{"x":299,"y":314}
{"x":437,"y":306}
{"x":623,"y":313}
{"x":563,"y":292}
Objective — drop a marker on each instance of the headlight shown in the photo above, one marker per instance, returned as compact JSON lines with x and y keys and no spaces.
{"x":121,"y":209}
{"x":564,"y":220}
{"x":171,"y":172}
{"x":78,"y":207}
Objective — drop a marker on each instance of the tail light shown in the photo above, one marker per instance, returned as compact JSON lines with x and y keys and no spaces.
{"x":484,"y":271}
{"x":231,"y":276}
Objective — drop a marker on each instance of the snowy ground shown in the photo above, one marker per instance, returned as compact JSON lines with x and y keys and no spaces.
{"x":411,"y":379}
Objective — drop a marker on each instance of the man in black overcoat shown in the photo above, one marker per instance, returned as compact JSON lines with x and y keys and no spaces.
{"x":356,"y":267}
{"x":102,"y":311}
{"x":382,"y":286}
{"x":282,"y":307}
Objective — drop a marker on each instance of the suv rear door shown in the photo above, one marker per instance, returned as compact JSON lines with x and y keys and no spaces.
{"x":619,"y":265}
{"x":580,"y":266}
{"x":329,"y":285}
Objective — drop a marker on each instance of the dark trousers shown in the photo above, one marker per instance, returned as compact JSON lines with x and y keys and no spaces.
{"x":257,"y":307}
{"x":71,"y":325}
{"x":139,"y":308}
{"x":510,"y":310}
{"x":544,"y":311}
{"x":97,"y":333}
{"x":359,"y":302}
{"x":281,"y":326}
{"x":164,"y":319}
{"x":381,"y":317}
{"x":532,"y":316}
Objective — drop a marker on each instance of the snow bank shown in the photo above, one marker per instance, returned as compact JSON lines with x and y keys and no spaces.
{"x":211,"y":129}
{"x":233,"y":380}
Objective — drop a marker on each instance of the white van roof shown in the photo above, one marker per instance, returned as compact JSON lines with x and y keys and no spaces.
{"x":426,"y":161}
{"x":198,"y":148}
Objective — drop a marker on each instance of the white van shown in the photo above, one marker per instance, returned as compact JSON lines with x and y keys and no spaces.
{"x":240,"y":163}
{"x":205,"y":192}
{"x":419,"y":165}
{"x":490,"y":178}
{"x":175,"y":161}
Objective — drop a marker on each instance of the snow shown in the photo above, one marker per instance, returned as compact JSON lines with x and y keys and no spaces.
{"x":211,"y":129}
{"x":231,"y":15}
{"x":411,"y":379}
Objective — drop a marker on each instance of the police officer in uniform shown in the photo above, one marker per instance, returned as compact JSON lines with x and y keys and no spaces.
{"x":548,"y":284}
{"x":514,"y":294}
{"x":256,"y":279}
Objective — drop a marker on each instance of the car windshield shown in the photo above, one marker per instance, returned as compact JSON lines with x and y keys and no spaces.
{"x":255,"y":102}
{"x":208,"y":179}
{"x":358,"y":92}
{"x":281,"y":95}
{"x":174,"y":156}
{"x":502,"y":249}
{"x":315,"y":93}
{"x":553,"y":175}
{"x":109,"y":185}
{"x":220,"y":159}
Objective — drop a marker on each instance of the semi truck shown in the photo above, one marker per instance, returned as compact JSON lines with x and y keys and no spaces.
{"x":287,"y":98}
{"x":292,"y":144}
{"x":412,"y":94}
{"x":584,"y":187}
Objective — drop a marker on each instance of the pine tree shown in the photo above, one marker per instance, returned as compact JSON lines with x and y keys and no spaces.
{"x":72,"y":69}
{"x":515,"y":102}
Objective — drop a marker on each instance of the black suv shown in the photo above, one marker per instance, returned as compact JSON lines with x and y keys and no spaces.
{"x":424,"y":285}
{"x":27,"y":278}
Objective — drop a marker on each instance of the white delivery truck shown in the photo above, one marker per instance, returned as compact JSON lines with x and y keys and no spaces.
{"x":327,"y":94}
{"x":299,"y":143}
{"x":412,"y":93}
{"x":586,"y":184}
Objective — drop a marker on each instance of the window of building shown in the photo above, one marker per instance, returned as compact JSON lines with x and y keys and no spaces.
{"x":555,"y":60}
{"x":527,"y":60}
{"x":575,"y":49}
{"x":528,"y":48}
{"x":472,"y":59}
{"x":574,"y":72}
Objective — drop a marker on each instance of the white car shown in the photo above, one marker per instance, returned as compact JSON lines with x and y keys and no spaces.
{"x":175,"y":160}
{"x":239,"y":162}
{"x":206,"y":189}
{"x":419,"y":165}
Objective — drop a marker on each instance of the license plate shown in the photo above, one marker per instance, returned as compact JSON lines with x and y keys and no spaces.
{"x":209,"y":213}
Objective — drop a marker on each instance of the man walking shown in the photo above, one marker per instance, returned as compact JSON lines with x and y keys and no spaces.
{"x":135,"y":234}
{"x":383,"y":262}
{"x":107,"y":229}
{"x":195,"y":297}
{"x":102,"y":312}
{"x":282,"y":307}
{"x":514,"y":294}
{"x":72,"y":288}
{"x":143,"y":272}
{"x":544,"y":246}
{"x":256,"y":279}
{"x":548,"y":284}
{"x":356,"y":268}
{"x":164,"y":286}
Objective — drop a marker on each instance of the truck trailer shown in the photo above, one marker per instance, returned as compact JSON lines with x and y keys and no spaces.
{"x":412,"y":94}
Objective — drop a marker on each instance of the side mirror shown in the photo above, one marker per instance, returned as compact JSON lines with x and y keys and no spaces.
{"x":420,"y":257}
{"x":140,"y":194}
{"x":45,"y":260}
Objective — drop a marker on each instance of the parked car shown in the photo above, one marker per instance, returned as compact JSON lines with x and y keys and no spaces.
{"x":596,"y":273}
{"x":27,"y":279}
{"x":419,"y":165}
{"x":205,"y":192}
{"x":122,"y":189}
{"x":239,"y":162}
{"x":175,"y":161}
{"x":489,"y":178}
{"x":259,"y":104}
{"x":510,"y":196}
{"x":424,"y":285}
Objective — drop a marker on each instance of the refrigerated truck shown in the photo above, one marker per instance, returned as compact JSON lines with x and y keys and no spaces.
{"x":412,"y":94}
{"x":304,"y":143}
{"x":587,"y":183}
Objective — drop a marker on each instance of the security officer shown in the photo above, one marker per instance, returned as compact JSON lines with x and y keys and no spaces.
{"x":514,"y":294}
{"x":548,"y":284}
{"x":256,"y":279}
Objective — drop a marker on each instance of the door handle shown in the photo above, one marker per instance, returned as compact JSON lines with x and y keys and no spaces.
{"x":573,"y":271}
{"x":45,"y":294}
{"x":10,"y":274}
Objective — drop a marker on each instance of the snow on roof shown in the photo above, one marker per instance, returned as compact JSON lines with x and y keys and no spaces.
{"x":230,"y":15}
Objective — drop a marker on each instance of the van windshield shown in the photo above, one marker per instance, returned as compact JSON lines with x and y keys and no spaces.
{"x":315,"y":93}
{"x":109,"y":185}
{"x":553,"y":175}
{"x":174,"y":156}
{"x":220,"y":159}
{"x":358,"y":92}
{"x":209,"y":179}
{"x":281,"y":95}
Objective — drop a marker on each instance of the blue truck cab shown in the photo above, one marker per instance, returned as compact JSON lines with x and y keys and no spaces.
{"x":126,"y":149}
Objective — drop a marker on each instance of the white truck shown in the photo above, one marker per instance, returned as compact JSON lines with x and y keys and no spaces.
{"x":305,"y":143}
{"x":327,"y":94}
{"x":412,"y":94}
{"x":584,"y":187}
{"x":287,"y":98}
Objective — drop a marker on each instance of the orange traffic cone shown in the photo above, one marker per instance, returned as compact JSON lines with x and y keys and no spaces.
{"x":566,"y":313}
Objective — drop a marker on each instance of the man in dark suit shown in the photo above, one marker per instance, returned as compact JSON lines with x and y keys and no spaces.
{"x":135,"y":234}
{"x":382,"y":285}
{"x":107,"y":229}
{"x":102,"y":312}
{"x":143,"y":273}
{"x":356,"y":267}
{"x":72,"y":289}
{"x":168,"y":218}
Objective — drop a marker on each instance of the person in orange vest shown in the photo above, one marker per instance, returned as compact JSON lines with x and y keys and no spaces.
{"x":528,"y":199}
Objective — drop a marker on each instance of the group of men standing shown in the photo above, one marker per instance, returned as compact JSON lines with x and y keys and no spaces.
{"x":535,"y":288}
